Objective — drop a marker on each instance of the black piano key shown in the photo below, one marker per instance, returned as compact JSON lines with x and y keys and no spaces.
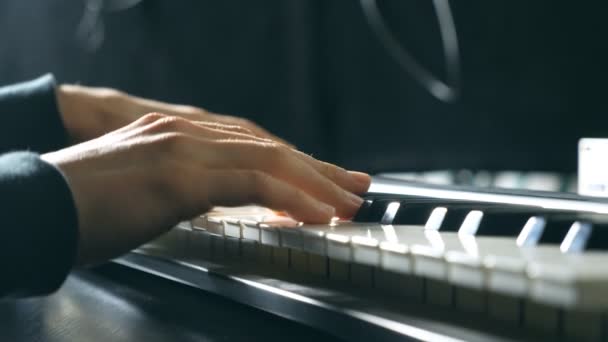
{"x":598,"y":241}
{"x":453,"y":218}
{"x":363,"y":212}
{"x":503,"y":222}
{"x":412,"y":213}
{"x":372,"y":211}
{"x":555,"y":230}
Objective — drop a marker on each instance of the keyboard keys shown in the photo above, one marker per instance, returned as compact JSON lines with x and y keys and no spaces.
{"x":555,"y":230}
{"x":414,"y":213}
{"x":373,"y":211}
{"x":598,"y":239}
{"x":523,"y":265}
{"x":503,"y":222}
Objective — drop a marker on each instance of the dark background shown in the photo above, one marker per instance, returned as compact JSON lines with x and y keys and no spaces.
{"x":312,"y":71}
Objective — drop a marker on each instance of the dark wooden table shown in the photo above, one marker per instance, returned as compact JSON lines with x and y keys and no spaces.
{"x":113,"y":303}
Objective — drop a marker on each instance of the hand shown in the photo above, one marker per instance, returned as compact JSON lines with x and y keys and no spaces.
{"x":90,"y":112}
{"x":133,"y":184}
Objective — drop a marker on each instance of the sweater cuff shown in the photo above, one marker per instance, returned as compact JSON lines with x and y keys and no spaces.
{"x":38,"y":223}
{"x":29,"y":112}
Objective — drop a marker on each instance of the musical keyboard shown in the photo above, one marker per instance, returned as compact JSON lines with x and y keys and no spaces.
{"x":417,"y":261}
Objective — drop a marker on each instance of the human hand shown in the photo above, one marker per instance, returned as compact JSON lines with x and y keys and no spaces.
{"x":89,"y":112}
{"x":134,"y":183}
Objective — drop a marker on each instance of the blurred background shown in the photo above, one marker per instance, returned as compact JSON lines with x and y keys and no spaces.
{"x":313,"y":72}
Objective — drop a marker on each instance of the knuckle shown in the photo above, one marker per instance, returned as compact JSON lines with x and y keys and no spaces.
{"x":276,"y":154}
{"x":237,"y":128}
{"x":152,"y":117}
{"x":240,"y":122}
{"x":171,"y":123}
{"x":332,"y":171}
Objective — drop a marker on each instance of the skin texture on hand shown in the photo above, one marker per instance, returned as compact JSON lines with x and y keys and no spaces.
{"x":89,"y":112}
{"x":134,"y":183}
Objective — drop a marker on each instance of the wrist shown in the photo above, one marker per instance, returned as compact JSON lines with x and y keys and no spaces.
{"x":87,"y":112}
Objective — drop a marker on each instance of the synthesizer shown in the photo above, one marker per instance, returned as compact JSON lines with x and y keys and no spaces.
{"x":417,"y":262}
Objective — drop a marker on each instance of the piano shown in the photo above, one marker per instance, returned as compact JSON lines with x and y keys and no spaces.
{"x":418,"y":262}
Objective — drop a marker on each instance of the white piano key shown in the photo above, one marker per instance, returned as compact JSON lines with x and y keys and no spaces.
{"x":298,"y":260}
{"x":232,"y":248}
{"x":269,"y":235}
{"x":507,"y":275}
{"x":505,"y":308}
{"x":438,"y":292}
{"x":249,"y":250}
{"x":406,"y":286}
{"x":280,"y":257}
{"x":338,"y":247}
{"x":429,"y":262}
{"x":470,"y":300}
{"x":250,"y":230}
{"x":469,"y":266}
{"x":362,"y":275}
{"x":429,"y":255}
{"x":318,"y":264}
{"x":570,"y":280}
{"x":339,"y":270}
{"x":212,"y":224}
{"x":365,"y":250}
{"x":264,"y":254}
{"x":465,"y":270}
{"x":232,"y":227}
{"x":291,"y":238}
{"x":343,"y":240}
{"x":395,"y":257}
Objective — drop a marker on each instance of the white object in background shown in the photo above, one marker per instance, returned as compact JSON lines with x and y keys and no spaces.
{"x":593,"y":167}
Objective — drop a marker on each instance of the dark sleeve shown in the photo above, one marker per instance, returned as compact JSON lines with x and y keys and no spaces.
{"x":38,"y":226}
{"x":29,"y":117}
{"x":38,"y":218}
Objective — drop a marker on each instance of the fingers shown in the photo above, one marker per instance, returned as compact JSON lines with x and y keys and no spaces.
{"x":355,"y":182}
{"x":283,"y":163}
{"x":224,"y":147}
{"x":239,"y":187}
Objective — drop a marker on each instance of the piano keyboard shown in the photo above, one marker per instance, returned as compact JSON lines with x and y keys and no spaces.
{"x":417,"y":261}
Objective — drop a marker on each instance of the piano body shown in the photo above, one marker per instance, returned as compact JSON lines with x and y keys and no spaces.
{"x":418,"y":262}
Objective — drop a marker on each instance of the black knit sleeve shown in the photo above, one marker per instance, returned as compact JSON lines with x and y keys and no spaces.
{"x":38,"y":226}
{"x":30,"y":118}
{"x":38,"y":218}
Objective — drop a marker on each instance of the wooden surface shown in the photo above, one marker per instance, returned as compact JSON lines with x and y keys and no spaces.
{"x":112,"y":303}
